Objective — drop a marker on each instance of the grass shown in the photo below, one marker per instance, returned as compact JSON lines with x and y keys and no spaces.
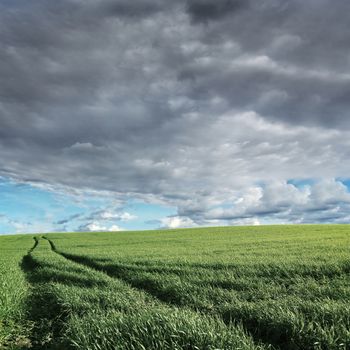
{"x":269,"y":287}
{"x":14,"y":290}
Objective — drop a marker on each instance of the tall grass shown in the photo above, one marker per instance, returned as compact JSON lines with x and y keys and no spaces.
{"x":272,"y":287}
{"x":81,"y":308}
{"x":14,"y":289}
{"x":288,"y":286}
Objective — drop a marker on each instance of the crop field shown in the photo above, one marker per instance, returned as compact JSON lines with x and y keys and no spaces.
{"x":267,"y":287}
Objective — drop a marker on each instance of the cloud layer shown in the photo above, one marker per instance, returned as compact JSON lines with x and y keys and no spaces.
{"x":210,"y":107}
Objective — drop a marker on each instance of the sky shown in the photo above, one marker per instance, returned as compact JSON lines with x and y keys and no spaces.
{"x":121,"y":115}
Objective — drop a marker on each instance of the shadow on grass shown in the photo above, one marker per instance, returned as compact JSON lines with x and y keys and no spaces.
{"x":44,"y":310}
{"x":36,"y":242}
{"x":44,"y":307}
{"x":278,"y":332}
{"x":172,"y":295}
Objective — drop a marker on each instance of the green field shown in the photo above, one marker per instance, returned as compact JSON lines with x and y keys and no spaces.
{"x":267,"y":287}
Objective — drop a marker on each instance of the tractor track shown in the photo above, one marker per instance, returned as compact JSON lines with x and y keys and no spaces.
{"x":163,"y":298}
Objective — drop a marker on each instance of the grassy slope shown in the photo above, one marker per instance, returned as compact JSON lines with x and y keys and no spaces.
{"x":285,"y":287}
{"x":249,"y":244}
{"x":14,"y":290}
{"x":85,"y":309}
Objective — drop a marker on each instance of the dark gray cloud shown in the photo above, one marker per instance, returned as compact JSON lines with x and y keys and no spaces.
{"x":135,"y":9}
{"x":206,"y":10}
{"x":185,"y":103}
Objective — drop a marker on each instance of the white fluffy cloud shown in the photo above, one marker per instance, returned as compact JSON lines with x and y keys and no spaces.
{"x":325,"y":200}
{"x":97,"y":226}
{"x":121,"y":216}
{"x":177,"y":222}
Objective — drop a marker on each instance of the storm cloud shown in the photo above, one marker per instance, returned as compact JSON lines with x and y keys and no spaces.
{"x":190,"y":103}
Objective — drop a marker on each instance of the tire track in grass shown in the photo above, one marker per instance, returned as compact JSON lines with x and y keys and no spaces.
{"x":285,"y":330}
{"x":160,"y":297}
{"x":36,"y":242}
{"x":43,"y":309}
{"x":159,"y":321}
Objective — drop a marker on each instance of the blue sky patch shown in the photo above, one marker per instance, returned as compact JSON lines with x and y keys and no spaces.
{"x":27,"y":208}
